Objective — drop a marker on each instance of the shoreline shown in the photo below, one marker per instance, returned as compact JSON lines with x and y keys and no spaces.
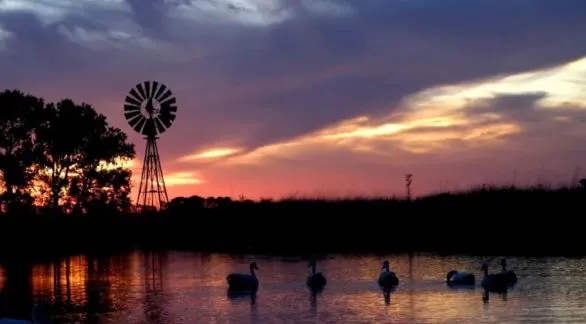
{"x":500,"y":221}
{"x":81,"y":243}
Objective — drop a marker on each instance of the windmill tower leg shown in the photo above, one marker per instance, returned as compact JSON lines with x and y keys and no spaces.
{"x":152,"y":192}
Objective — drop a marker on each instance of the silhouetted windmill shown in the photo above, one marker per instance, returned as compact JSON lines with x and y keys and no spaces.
{"x":150,"y":109}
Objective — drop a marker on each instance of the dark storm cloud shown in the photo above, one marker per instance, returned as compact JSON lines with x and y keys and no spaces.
{"x":150,"y":15}
{"x":230,"y":76}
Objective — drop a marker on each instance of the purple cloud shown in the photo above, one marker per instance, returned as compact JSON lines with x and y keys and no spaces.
{"x":256,"y":72}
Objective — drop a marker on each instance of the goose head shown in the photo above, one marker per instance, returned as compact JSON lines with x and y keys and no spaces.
{"x":386,"y":265}
{"x":484,"y":267}
{"x":312,"y":263}
{"x":253,"y":266}
{"x":451,"y":274}
{"x":504,"y":263}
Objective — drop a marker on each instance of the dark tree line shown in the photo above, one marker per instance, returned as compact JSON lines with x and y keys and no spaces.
{"x":195,"y":203}
{"x":60,"y":156}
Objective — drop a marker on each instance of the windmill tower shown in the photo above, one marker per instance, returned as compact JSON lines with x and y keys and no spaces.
{"x":150,"y":109}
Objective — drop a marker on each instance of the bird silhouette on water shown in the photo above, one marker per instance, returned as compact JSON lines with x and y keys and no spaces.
{"x":457,"y":278}
{"x":509,"y":274}
{"x":495,"y":282}
{"x":316,"y":280}
{"x":387,"y":278}
{"x":242,"y":282}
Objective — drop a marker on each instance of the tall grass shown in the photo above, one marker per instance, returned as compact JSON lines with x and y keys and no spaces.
{"x":508,"y":219}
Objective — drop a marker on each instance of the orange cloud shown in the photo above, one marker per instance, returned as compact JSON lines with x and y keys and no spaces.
{"x":182,"y":178}
{"x":212,"y":153}
{"x":565,"y":85}
{"x":449,"y":123}
{"x":173,"y":178}
{"x":431,"y":120}
{"x":400,"y":131}
{"x":176,"y":178}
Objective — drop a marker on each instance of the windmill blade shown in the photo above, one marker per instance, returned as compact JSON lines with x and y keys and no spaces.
{"x":169,"y":109}
{"x":154,"y":89}
{"x":131,"y":108}
{"x":168,"y":106}
{"x":147,"y":85}
{"x":132,"y":114}
{"x":168,"y":102}
{"x":160,"y":92}
{"x":134,"y":120}
{"x":161,"y":128}
{"x":136,"y":96}
{"x":167,"y":94}
{"x":131,"y":101}
{"x":138,"y":127}
{"x":166,"y":119}
{"x":141,"y":91}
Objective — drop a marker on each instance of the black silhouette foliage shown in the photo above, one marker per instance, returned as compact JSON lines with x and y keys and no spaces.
{"x":18,"y":119}
{"x":61,"y":147}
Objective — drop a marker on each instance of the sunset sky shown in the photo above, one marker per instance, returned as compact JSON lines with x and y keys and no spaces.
{"x":329,"y":97}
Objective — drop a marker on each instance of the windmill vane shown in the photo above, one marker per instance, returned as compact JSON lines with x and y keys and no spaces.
{"x":150,"y":108}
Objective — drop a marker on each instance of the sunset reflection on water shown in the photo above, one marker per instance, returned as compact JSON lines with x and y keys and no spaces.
{"x":180,"y":287}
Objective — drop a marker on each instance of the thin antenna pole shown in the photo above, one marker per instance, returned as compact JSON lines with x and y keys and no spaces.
{"x":408,"y":181}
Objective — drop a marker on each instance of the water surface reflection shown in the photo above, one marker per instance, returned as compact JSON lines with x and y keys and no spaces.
{"x":178,"y":287}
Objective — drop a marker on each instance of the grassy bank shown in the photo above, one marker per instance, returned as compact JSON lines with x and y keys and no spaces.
{"x":485,"y":220}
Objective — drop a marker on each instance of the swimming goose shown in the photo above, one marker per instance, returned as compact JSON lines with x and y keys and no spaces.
{"x":242,"y":281}
{"x":510,"y":274}
{"x":315,"y":280}
{"x":494,"y":281}
{"x":387,"y":278}
{"x":456,"y":278}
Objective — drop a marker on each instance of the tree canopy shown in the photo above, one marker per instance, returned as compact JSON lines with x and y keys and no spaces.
{"x":61,"y":155}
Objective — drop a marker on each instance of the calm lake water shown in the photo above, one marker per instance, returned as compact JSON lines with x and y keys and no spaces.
{"x":180,"y":287}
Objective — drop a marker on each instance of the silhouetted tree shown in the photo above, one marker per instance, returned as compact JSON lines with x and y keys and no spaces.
{"x":217,"y":202}
{"x":196,"y":202}
{"x":20,"y":115}
{"x":108,"y":191}
{"x":211,"y":202}
{"x":75,"y":143}
{"x":95,"y":182}
{"x":180,"y":204}
{"x":223,"y":202}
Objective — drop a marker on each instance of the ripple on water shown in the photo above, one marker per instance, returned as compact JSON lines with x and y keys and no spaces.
{"x":180,"y":287}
